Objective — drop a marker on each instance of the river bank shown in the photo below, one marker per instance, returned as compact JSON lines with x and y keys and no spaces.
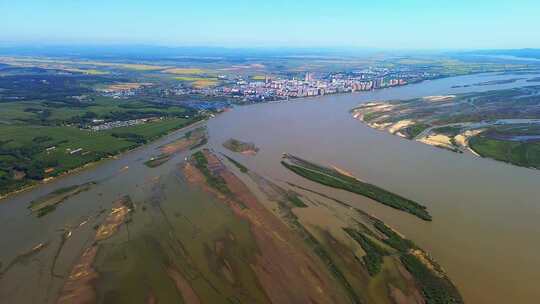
{"x":499,"y":124}
{"x":468,"y":197}
{"x":93,"y":164}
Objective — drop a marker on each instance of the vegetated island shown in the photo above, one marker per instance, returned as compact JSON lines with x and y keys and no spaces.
{"x":190,"y":141}
{"x":488,"y":83}
{"x":238,"y":146}
{"x":238,"y":165}
{"x":501,"y":124}
{"x":381,"y":242}
{"x":231,"y":244}
{"x":79,"y":285}
{"x":48,"y":203}
{"x":335,"y":178}
{"x":372,"y":262}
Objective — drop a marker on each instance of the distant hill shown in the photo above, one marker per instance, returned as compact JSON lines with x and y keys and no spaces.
{"x":523,"y":53}
{"x":148,"y":52}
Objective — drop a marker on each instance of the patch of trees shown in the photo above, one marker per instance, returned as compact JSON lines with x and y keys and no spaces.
{"x":41,"y":139}
{"x":436,"y":290}
{"x":22,"y":159}
{"x":136,"y":138}
{"x":374,"y":252}
{"x":214,"y":181}
{"x":41,"y":114}
{"x":69,"y":102}
{"x":134,"y":114}
{"x":333,"y":178}
{"x":135,"y":105}
{"x":81,"y":120}
{"x":51,"y":87}
{"x":393,"y":239}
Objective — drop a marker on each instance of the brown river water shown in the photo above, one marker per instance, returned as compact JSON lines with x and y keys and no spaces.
{"x":486,"y":214}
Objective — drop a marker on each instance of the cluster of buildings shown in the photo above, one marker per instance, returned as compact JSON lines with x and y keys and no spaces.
{"x":101,"y":126}
{"x":120,"y":94}
{"x":243,"y":89}
{"x":125,"y":90}
{"x":277,"y":88}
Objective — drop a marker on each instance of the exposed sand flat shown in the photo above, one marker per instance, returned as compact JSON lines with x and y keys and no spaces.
{"x":437,"y":140}
{"x":381,"y":106}
{"x":344,"y":172}
{"x":358,"y":115}
{"x":370,"y":104}
{"x":372,"y":108}
{"x":401,"y":134}
{"x":380,"y":126}
{"x":249,"y":152}
{"x":473,"y":152}
{"x":79,"y":286}
{"x":439,"y":98}
{"x":111,"y":224}
{"x":463,"y":139}
{"x":184,"y":143}
{"x":426,"y":261}
{"x":400,"y":125}
{"x":177,"y":146}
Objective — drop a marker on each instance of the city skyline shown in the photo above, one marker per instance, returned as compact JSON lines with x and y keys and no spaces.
{"x":413,"y":24}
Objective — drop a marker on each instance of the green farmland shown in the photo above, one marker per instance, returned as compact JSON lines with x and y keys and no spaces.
{"x":32,"y":153}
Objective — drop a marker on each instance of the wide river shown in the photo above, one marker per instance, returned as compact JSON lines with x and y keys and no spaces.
{"x":486,"y":214}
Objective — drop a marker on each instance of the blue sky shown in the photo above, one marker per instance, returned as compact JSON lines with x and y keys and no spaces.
{"x":397,"y":24}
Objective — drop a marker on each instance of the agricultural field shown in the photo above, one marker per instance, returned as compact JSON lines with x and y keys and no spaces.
{"x":67,"y":65}
{"x":44,"y":112}
{"x":185,"y":71}
{"x":199,"y":82}
{"x":53,"y":123}
{"x":29,"y":154}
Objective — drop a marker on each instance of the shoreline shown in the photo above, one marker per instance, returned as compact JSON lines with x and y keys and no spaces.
{"x":89,"y":165}
{"x":294,"y":99}
{"x":458,"y":143}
